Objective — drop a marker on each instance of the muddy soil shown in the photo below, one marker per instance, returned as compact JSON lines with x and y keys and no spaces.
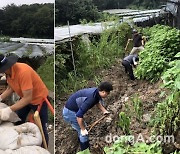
{"x":124,"y":89}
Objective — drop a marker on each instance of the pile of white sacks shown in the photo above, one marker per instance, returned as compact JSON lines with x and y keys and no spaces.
{"x":21,"y":139}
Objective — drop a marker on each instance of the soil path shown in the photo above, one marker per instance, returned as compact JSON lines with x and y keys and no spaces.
{"x":124,"y":90}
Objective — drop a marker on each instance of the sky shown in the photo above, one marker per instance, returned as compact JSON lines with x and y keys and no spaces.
{"x":3,"y":3}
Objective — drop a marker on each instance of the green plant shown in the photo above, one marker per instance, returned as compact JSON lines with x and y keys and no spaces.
{"x":122,"y":147}
{"x":138,"y":107}
{"x":46,"y":71}
{"x":166,"y":119}
{"x":161,"y":48}
{"x":124,"y":122}
{"x":171,"y":78}
{"x":89,"y":57}
{"x":4,"y":38}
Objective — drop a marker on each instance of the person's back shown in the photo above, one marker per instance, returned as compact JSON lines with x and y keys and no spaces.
{"x":23,"y":78}
{"x":137,"y":40}
{"x":79,"y":103}
{"x":75,"y":100}
{"x":131,"y":58}
{"x":128,"y":62}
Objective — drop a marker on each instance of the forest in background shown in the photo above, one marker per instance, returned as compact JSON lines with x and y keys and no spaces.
{"x":34,"y":21}
{"x":75,"y":11}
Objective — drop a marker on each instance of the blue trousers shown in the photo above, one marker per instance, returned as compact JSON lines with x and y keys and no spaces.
{"x":70,"y":117}
{"x":23,"y":113}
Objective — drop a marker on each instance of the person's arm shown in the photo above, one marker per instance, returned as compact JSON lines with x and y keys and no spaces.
{"x":25,"y":100}
{"x":86,"y":105}
{"x":81,"y":123}
{"x":102,"y":108}
{"x":134,"y":62}
{"x":6,"y":93}
{"x":143,"y":40}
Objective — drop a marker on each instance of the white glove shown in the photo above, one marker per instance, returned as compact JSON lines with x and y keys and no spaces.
{"x":5,"y":113}
{"x":106,"y":112}
{"x":135,"y":63}
{"x":84,"y":132}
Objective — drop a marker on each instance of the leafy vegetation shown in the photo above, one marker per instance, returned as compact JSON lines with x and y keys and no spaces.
{"x":46,"y":72}
{"x":123,"y":147}
{"x":36,"y":20}
{"x":138,"y":107}
{"x":167,"y":114}
{"x":100,"y":53}
{"x":4,"y":38}
{"x":121,"y":4}
{"x":75,"y":11}
{"x":124,"y":122}
{"x":161,"y":48}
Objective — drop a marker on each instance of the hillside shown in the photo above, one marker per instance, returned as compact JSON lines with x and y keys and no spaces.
{"x":124,"y":89}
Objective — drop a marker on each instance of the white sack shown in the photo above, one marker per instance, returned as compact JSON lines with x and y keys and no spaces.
{"x":2,"y":152}
{"x":6,"y":124}
{"x":15,"y":137}
{"x":28,"y":150}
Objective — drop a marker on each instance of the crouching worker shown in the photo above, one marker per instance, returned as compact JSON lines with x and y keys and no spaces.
{"x":128,"y":62}
{"x":79,"y":103}
{"x":26,"y":83}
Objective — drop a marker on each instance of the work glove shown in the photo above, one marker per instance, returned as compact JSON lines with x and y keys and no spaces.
{"x":135,"y":63}
{"x":5,"y":113}
{"x":84,"y":132}
{"x":106,"y":112}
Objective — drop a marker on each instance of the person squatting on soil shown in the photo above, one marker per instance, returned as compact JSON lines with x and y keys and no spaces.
{"x":128,"y":62}
{"x":79,"y":103}
{"x":138,"y":42}
{"x":26,"y":83}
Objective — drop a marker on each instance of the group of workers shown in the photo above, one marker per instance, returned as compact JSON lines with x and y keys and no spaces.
{"x":81,"y":101}
{"x":25,"y":82}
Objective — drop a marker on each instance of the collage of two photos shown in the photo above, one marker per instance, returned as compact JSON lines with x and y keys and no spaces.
{"x":27,"y":77}
{"x":89,"y":76}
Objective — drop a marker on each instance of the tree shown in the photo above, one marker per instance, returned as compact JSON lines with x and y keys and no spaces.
{"x":75,"y":10}
{"x":36,"y":20}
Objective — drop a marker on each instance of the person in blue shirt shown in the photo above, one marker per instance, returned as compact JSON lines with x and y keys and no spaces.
{"x":79,"y":103}
{"x":128,"y":62}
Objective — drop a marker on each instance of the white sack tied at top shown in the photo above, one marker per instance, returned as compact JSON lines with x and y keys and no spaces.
{"x":27,"y":134}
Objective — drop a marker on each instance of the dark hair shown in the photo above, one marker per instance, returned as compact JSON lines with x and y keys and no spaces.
{"x":105,"y":86}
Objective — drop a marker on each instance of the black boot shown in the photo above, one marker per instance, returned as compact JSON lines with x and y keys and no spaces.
{"x":84,"y":145}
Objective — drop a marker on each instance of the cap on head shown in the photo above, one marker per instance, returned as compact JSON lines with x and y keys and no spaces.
{"x":134,"y":31}
{"x":7,"y":62}
{"x":105,"y":86}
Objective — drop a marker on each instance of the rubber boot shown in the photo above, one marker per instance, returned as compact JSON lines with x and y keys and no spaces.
{"x":84,"y":145}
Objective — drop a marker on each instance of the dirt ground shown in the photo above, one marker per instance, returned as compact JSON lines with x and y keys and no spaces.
{"x":51,"y":142}
{"x":123,"y":89}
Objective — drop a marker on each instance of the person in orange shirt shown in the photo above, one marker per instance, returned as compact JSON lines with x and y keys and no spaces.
{"x":26,"y":83}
